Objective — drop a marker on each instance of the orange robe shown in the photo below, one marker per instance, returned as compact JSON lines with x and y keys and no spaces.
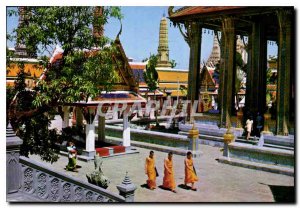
{"x":190,"y":176}
{"x":169,"y":179}
{"x":150,"y":171}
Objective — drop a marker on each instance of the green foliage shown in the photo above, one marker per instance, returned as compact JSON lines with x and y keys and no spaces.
{"x":150,"y":74}
{"x":239,"y":61}
{"x":145,"y":59}
{"x":69,"y":133}
{"x":183,"y":90}
{"x":173,"y":63}
{"x":240,"y":71}
{"x":37,"y":138}
{"x":77,"y":76}
{"x":151,"y":78}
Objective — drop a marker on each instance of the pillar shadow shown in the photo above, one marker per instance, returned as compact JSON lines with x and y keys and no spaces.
{"x":283,"y":194}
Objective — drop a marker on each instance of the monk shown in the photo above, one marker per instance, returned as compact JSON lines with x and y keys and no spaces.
{"x":190,"y":174}
{"x":150,"y":171}
{"x":169,"y":179}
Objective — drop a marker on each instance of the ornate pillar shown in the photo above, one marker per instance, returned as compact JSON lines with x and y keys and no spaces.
{"x":65,"y":122}
{"x":256,"y":73}
{"x":79,"y":116}
{"x":126,"y":129}
{"x":127,"y":189}
{"x":193,"y":135}
{"x":227,"y":70}
{"x":89,"y":115}
{"x":284,"y":69}
{"x":250,"y":76}
{"x":194,"y":38}
{"x":101,"y":128}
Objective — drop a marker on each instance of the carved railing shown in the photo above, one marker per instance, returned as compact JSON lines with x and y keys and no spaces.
{"x":29,"y":179}
{"x":40,"y":181}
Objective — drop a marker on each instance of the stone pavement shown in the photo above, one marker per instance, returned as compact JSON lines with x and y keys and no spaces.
{"x":218,"y":182}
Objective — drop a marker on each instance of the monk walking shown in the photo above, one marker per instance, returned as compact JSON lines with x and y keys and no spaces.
{"x":150,"y":171}
{"x":190,"y":174}
{"x":169,"y":179}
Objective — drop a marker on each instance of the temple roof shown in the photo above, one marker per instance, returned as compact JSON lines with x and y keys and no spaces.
{"x":211,"y":17}
{"x":207,"y":83}
{"x":31,"y":69}
{"x":111,"y":98}
{"x":126,"y":77}
{"x":198,"y":10}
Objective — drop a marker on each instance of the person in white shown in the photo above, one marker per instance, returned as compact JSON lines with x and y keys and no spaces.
{"x":249,"y":127}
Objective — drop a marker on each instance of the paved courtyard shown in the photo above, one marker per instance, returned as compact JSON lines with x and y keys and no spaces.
{"x":218,"y":182}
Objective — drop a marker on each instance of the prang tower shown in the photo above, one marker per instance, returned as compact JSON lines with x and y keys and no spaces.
{"x":163,"y":47}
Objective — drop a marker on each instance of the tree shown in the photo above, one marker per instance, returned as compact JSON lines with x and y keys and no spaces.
{"x":240,"y":74}
{"x":79,"y":75}
{"x":173,"y":63}
{"x":145,"y":59}
{"x":151,"y":78}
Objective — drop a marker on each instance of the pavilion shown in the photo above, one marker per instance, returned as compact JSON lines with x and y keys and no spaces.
{"x":258,"y":25}
{"x":124,"y":94}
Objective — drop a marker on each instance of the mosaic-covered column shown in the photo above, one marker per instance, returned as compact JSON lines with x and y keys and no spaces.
{"x":227,"y":70}
{"x":284,"y":70}
{"x":65,"y":121}
{"x":256,"y":73}
{"x":194,"y":41}
{"x":101,"y":128}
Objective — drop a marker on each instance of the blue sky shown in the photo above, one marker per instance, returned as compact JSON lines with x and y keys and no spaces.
{"x":140,"y":35}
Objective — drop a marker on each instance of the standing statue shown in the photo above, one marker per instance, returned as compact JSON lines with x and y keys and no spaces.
{"x":97,"y":177}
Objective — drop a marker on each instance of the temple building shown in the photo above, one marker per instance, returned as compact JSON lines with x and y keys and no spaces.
{"x":21,"y":54}
{"x":259,"y":25}
{"x":124,"y":92}
{"x":32,"y":70}
{"x":172,"y":82}
{"x":215,"y":55}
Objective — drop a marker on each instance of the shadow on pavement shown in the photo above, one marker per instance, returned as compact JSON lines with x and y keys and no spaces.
{"x":161,"y":187}
{"x":145,"y":186}
{"x":282,"y":194}
{"x":184,"y":187}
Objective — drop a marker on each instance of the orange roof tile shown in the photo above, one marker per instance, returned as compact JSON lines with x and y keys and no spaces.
{"x":137,"y":66}
{"x":173,"y":76}
{"x":170,"y":85}
{"x":30,"y":68}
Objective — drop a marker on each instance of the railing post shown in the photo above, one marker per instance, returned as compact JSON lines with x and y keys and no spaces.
{"x":13,"y":168}
{"x":228,"y":138}
{"x":193,"y":135}
{"x":127,"y":189}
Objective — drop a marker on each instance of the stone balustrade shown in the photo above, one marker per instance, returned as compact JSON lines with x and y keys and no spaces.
{"x":48,"y":185}
{"x":265,"y":155}
{"x":29,"y":180}
{"x":154,"y":137}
